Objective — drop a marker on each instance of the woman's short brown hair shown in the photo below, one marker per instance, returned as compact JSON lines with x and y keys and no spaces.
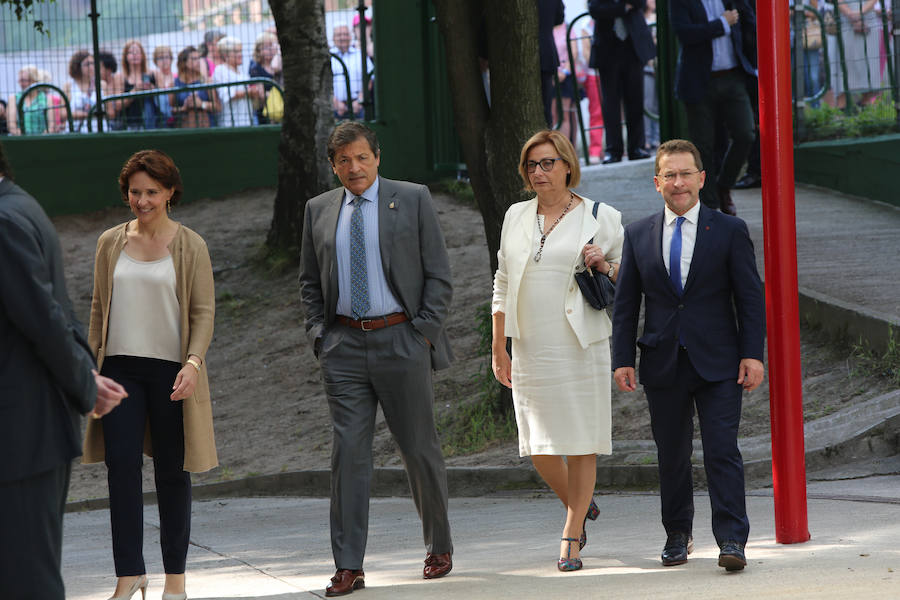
{"x":158,"y":166}
{"x":75,"y":64}
{"x":566,"y":152}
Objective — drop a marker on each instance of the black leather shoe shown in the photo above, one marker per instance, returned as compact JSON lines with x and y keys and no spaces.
{"x":611,"y":158}
{"x":732,"y":556}
{"x":748,"y":181}
{"x":639,"y":154}
{"x":678,"y":546}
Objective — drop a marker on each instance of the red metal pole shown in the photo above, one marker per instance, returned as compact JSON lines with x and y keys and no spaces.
{"x":780,"y":242}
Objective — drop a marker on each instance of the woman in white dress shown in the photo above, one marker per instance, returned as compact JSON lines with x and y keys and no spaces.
{"x":560,"y":367}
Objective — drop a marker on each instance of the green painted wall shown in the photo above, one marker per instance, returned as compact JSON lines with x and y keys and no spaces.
{"x":70,"y":174}
{"x":861,"y":166}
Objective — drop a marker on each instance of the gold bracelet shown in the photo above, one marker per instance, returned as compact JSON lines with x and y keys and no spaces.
{"x":193,"y":362}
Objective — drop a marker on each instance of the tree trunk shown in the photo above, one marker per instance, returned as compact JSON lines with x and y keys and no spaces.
{"x":491,"y":137}
{"x":303,"y":169}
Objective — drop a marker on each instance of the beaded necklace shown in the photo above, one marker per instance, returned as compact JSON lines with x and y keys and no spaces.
{"x":537,"y":256}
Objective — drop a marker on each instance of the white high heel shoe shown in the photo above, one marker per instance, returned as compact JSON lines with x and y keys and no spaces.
{"x":139,"y":584}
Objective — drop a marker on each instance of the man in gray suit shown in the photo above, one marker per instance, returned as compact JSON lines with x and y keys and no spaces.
{"x":375,"y":288}
{"x":47,"y":379}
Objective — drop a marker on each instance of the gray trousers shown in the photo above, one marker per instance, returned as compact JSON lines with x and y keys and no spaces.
{"x":390,"y":367}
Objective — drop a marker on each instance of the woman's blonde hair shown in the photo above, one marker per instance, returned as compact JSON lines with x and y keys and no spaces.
{"x":564,"y":148}
{"x":266,"y":37}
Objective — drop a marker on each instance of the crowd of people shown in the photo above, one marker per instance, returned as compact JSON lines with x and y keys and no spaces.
{"x":218,"y":59}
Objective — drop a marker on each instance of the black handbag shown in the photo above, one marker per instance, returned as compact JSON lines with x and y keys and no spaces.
{"x":597,"y":288}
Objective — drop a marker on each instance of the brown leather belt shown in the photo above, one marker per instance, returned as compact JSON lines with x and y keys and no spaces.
{"x":724,"y":72}
{"x":373,"y":323}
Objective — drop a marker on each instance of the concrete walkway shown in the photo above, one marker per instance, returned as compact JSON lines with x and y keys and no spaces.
{"x":278,"y":549}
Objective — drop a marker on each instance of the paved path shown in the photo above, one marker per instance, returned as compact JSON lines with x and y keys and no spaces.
{"x":278,"y":549}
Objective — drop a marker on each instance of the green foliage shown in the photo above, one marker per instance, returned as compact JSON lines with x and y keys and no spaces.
{"x":868,"y":363}
{"x":489,"y":419}
{"x":25,"y":9}
{"x":276,"y":261}
{"x":827,"y":122}
{"x":458,"y":188}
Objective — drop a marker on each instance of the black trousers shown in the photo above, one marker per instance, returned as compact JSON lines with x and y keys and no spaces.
{"x":622,"y":84}
{"x":31,"y":524}
{"x":718,"y":406}
{"x":149,"y":384}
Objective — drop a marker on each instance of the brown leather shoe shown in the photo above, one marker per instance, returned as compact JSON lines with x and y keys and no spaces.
{"x":345,"y":581}
{"x":437,"y":565}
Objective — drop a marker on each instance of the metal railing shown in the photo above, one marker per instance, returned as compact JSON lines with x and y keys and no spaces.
{"x":48,"y":111}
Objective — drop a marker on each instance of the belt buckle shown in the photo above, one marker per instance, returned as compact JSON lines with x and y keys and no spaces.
{"x":362,"y":324}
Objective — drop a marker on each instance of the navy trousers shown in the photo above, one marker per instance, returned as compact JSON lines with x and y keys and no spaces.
{"x":718,"y":405}
{"x":149,"y":384}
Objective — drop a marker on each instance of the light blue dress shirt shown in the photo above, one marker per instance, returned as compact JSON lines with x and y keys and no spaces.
{"x":724,"y":57}
{"x":381,"y":300}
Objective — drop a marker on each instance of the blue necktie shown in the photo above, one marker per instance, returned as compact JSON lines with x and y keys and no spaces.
{"x":359,"y":280}
{"x":675,"y":256}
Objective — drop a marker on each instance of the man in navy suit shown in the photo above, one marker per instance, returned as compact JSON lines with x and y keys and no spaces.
{"x":702,"y":344}
{"x":622,"y":46}
{"x":716,"y":63}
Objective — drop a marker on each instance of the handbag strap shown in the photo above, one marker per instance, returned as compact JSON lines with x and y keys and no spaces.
{"x":594,"y":212}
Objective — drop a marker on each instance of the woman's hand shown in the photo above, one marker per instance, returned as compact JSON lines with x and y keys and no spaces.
{"x":501,"y":365}
{"x":185,"y":382}
{"x":595,"y":259}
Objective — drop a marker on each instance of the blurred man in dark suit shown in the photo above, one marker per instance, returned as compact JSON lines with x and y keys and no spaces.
{"x":622,"y":46}
{"x":47,"y":379}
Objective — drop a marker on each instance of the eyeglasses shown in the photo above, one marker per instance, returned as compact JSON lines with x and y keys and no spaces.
{"x":545,"y":163}
{"x":670,"y":177}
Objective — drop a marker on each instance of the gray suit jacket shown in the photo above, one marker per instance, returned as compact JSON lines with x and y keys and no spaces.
{"x":45,"y":362}
{"x":413,"y":256}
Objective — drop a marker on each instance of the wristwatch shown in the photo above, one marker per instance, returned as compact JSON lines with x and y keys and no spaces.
{"x":612,"y":271}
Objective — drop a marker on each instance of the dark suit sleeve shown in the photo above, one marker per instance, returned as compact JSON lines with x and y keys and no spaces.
{"x":610,"y":9}
{"x":27,"y":297}
{"x":560,"y":16}
{"x":748,"y":295}
{"x":312,"y":298}
{"x":690,"y":32}
{"x":627,"y":307}
{"x":437,"y":289}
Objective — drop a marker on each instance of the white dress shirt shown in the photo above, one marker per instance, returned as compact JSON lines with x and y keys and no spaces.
{"x":688,"y":238}
{"x":724,"y":57}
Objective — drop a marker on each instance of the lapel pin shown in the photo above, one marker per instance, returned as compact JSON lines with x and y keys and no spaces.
{"x":391,"y":205}
{"x":707,"y":227}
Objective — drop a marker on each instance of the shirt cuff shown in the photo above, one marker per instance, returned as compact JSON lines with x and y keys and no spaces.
{"x":725,"y":24}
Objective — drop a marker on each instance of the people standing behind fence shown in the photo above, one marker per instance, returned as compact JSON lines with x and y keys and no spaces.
{"x":352,"y":60}
{"x":209,"y":50}
{"x":370,"y":44}
{"x":162,"y":58}
{"x":34,"y":118}
{"x":238,"y":102}
{"x":4,"y":129}
{"x":193,"y":108}
{"x":651,"y":97}
{"x":862,"y":36}
{"x":263,"y":64}
{"x":80,"y":89}
{"x":550,"y":14}
{"x":136,"y":113}
{"x":592,"y":89}
{"x":563,"y":107}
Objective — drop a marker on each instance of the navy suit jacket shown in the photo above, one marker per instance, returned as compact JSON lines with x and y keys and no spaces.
{"x":550,"y":14}
{"x":604,"y":13}
{"x":695,"y":33}
{"x":720,"y":317}
{"x":45,"y":361}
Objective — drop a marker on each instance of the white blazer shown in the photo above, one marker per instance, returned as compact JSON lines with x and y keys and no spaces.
{"x":517,"y":248}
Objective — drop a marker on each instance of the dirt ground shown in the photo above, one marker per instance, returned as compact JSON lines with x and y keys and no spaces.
{"x":269,"y":407}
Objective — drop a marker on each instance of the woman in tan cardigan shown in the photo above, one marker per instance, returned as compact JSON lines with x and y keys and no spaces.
{"x":151,"y":324}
